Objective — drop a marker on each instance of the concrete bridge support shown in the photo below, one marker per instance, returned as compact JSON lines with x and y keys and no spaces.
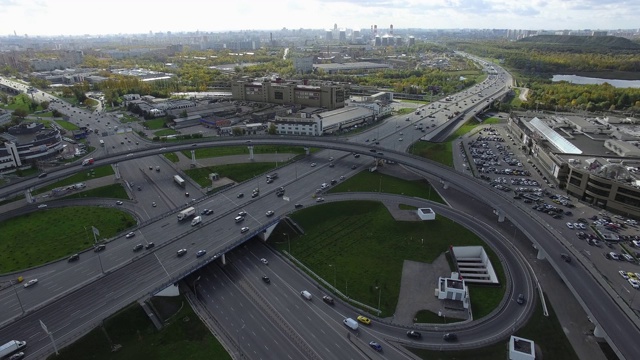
{"x":264,"y":236}
{"x":250,"y":152}
{"x":541,"y":255}
{"x":223,"y":259}
{"x":116,"y":169}
{"x":598,"y":332}
{"x":307,"y":151}
{"x":28,"y":197}
{"x":445,"y":185}
{"x":500,"y":214}
{"x":193,"y":158}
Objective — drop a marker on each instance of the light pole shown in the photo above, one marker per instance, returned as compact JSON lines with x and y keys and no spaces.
{"x":334,"y":276}
{"x":379,"y":297}
{"x":288,"y":241}
{"x":17,"y":297}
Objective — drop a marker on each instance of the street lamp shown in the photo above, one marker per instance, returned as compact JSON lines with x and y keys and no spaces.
{"x":379,"y":297}
{"x":288,"y":240}
{"x":17,"y":297}
{"x":334,"y":276}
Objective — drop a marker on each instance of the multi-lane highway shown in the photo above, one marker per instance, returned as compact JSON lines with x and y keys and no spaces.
{"x":598,"y":303}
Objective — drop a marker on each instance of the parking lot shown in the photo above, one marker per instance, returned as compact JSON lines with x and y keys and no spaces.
{"x":610,"y":243}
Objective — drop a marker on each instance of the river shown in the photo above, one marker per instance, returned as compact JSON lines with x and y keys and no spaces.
{"x":575,"y":79}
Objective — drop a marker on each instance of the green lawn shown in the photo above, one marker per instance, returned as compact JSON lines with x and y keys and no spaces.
{"x":94,"y":173}
{"x":46,"y":235}
{"x":366,"y":181}
{"x":128,"y":118}
{"x":352,"y":236}
{"x":235,"y":172}
{"x":171,"y":157}
{"x":67,"y":125}
{"x":115,"y":191}
{"x":155,"y":124}
{"x":546,"y":332}
{"x":239,"y":150}
{"x":183,"y":337}
{"x":405,"y":111}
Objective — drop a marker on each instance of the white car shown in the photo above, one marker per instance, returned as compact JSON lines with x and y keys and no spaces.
{"x":31,"y":282}
{"x":570,"y":225}
{"x":320,"y":199}
{"x":130,"y":235}
{"x":623,"y":274}
{"x":244,"y":230}
{"x":264,"y":261}
{"x":313,"y":164}
{"x":269,"y":213}
{"x":635,"y":283}
{"x":42,"y":206}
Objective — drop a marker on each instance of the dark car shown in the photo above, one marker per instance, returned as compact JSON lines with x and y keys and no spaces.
{"x":241,"y":195}
{"x":149,"y":245}
{"x":520,"y":299}
{"x":328,"y":299}
{"x":73,"y":257}
{"x":42,"y":175}
{"x":414,"y":334}
{"x":297,"y":206}
{"x":565,"y":257}
{"x":450,"y":337}
{"x":375,"y":346}
{"x":181,"y":252}
{"x":266,"y":279}
{"x":100,"y":248}
{"x":201,"y":253}
{"x":138,"y":247}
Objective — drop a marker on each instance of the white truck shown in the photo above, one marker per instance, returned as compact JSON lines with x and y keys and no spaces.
{"x":179,"y":180}
{"x":186,"y":213}
{"x":11,"y":347}
{"x":196,"y":220}
{"x":350,"y":323}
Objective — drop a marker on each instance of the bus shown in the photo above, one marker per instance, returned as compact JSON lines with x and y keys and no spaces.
{"x":180,"y":181}
{"x":102,"y":143}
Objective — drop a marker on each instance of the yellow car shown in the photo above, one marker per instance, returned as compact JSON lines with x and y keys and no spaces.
{"x":632,"y":275}
{"x":364,"y":320}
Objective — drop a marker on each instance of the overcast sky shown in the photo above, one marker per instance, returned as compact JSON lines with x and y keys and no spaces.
{"x":77,"y":17}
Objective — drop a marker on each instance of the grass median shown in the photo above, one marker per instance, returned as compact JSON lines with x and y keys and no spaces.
{"x":361,"y":248}
{"x":82,"y":176}
{"x":46,"y":235}
{"x":129,"y":334}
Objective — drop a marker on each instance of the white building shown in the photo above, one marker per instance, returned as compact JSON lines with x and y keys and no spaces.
{"x":521,"y":349}
{"x":473,"y":264}
{"x":453,"y":288}
{"x":292,"y":125}
{"x":426,"y":214}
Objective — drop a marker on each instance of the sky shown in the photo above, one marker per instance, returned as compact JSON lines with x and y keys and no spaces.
{"x":79,"y":17}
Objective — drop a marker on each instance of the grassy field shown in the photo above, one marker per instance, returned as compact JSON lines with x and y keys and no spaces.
{"x":94,"y":173}
{"x":155,"y":124}
{"x":366,"y":181}
{"x":46,"y":235}
{"x":239,"y":150}
{"x":115,"y":191}
{"x":546,"y":332}
{"x":171,"y":157}
{"x":67,"y":125}
{"x":183,"y":337}
{"x":352,"y":236}
{"x":235,"y":172}
{"x":405,"y":111}
{"x":128,"y":118}
{"x":442,"y":152}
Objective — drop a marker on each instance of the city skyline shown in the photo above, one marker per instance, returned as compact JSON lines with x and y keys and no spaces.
{"x":74,"y":17}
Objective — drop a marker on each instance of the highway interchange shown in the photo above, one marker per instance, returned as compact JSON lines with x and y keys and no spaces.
{"x":300,"y":181}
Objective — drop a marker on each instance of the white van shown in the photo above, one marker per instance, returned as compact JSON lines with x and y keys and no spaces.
{"x":350,"y":323}
{"x":305,"y":294}
{"x":196,"y":220}
{"x":239,"y":219}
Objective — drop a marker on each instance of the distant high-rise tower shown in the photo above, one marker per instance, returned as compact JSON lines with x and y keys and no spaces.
{"x":391,"y":29}
{"x":375,"y":29}
{"x":328,"y":35}
{"x":335,"y":26}
{"x":343,"y":35}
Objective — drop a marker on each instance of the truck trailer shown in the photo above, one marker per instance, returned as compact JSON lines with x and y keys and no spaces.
{"x":186,"y":213}
{"x":11,"y":347}
{"x":180,"y":181}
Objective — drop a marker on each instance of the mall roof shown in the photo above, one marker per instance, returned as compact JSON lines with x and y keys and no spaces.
{"x":554,"y":138}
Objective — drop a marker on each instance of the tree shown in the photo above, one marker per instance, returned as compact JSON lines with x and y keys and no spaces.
{"x":56,"y":113}
{"x":44,"y":105}
{"x":272,"y":129}
{"x":184,"y":114}
{"x":20,"y":112}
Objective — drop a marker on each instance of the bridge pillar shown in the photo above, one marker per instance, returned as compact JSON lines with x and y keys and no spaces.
{"x":193,"y":158}
{"x":117,"y":171}
{"x":500,"y":214}
{"x":250,"y":152}
{"x":541,"y":255}
{"x":223,"y":259}
{"x":306,"y":151}
{"x":28,"y":197}
{"x":598,"y":332}
{"x":445,"y":185}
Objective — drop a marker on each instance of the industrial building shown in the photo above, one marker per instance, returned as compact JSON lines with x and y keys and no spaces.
{"x":326,"y":95}
{"x":28,"y":143}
